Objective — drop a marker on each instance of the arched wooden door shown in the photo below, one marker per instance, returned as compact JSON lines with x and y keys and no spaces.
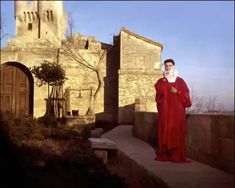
{"x":15,"y":91}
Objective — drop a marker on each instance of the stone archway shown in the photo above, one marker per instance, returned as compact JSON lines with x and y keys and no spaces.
{"x":16,"y":95}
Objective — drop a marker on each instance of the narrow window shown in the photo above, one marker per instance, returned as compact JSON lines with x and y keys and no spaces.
{"x":29,"y":16}
{"x":87,"y":44}
{"x":48,"y":18}
{"x":33,"y":17}
{"x":25,"y":16}
{"x":51,"y":15}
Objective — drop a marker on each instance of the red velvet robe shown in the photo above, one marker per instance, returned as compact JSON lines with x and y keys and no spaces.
{"x":171,"y":119}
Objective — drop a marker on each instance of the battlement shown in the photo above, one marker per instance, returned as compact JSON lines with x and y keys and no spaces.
{"x":84,"y":42}
{"x":40,"y":19}
{"x":31,"y":11}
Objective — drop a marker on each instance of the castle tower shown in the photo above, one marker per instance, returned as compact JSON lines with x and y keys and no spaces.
{"x":40,"y":19}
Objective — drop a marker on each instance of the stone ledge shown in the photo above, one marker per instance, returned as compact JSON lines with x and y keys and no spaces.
{"x":139,"y":72}
{"x":104,"y":149}
{"x":102,"y":143}
{"x":131,"y":170}
{"x":79,"y":120}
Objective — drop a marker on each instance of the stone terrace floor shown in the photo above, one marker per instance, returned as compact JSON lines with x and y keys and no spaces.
{"x":175,"y":175}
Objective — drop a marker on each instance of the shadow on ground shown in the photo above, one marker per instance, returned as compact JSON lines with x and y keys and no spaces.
{"x":49,"y":162}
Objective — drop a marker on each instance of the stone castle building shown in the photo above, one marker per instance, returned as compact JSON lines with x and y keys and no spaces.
{"x":112,"y":80}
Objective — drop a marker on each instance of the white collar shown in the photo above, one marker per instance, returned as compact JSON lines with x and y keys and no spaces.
{"x":171,"y":77}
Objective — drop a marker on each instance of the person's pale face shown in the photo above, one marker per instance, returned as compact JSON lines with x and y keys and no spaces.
{"x":168,"y":66}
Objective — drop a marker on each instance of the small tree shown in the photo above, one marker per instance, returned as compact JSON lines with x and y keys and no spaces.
{"x":53,"y":75}
{"x":2,"y":23}
{"x":199,"y":104}
{"x":210,"y":104}
{"x":71,"y":50}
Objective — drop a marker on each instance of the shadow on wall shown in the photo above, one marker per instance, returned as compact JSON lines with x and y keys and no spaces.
{"x":111,"y":85}
{"x":120,"y":116}
{"x":126,"y":114}
{"x":145,"y":127}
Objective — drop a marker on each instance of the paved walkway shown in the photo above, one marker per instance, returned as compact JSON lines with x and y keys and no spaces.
{"x":183,"y":175}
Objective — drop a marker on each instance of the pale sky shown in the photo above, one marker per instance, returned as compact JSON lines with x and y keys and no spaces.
{"x":198,"y":35}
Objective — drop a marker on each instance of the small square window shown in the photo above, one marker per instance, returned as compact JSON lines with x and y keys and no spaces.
{"x":30,"y":26}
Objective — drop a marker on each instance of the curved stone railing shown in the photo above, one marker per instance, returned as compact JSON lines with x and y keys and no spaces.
{"x":210,"y":137}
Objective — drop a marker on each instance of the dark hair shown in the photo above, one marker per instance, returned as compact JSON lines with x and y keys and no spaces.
{"x":170,"y":61}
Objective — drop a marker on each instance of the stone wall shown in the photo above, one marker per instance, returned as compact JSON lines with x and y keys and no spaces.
{"x":138,"y":53}
{"x":40,"y":27}
{"x":82,"y":81}
{"x":140,"y":63}
{"x":135,"y":174}
{"x":78,"y":77}
{"x":30,"y":56}
{"x":133,"y":85}
{"x":129,"y":69}
{"x":210,"y":137}
{"x":111,"y":85}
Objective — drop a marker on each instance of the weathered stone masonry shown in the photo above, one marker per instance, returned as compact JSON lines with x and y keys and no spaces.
{"x":128,"y":71}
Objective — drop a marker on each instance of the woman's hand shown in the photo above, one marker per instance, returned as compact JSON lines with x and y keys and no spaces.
{"x":173,"y":90}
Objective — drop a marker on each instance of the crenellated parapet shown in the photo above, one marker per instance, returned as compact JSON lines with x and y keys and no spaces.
{"x":26,"y":11}
{"x":84,"y":42}
{"x":40,"y":19}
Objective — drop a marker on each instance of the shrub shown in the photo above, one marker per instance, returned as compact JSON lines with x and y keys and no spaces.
{"x":49,"y":73}
{"x":22,"y":129}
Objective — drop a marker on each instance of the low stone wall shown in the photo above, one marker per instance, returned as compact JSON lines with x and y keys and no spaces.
{"x":80,"y":120}
{"x":135,"y":175}
{"x":145,"y":126}
{"x":210,"y":137}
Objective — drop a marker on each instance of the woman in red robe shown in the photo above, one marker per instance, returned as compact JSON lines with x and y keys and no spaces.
{"x":172,"y":98}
